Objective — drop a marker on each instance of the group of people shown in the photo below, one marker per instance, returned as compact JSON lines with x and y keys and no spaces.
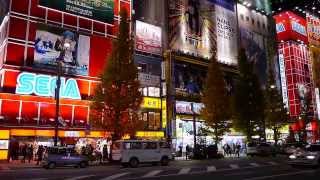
{"x":233,"y":149}
{"x":95,"y":154}
{"x":28,"y":153}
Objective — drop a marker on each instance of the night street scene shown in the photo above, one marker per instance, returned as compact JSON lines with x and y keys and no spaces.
{"x":159,"y":89}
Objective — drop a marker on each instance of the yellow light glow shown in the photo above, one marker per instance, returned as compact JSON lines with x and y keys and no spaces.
{"x":4,"y":134}
{"x":22,"y":132}
{"x":96,"y":134}
{"x":157,"y":134}
{"x":45,"y":133}
{"x":3,"y":154}
{"x":151,"y":103}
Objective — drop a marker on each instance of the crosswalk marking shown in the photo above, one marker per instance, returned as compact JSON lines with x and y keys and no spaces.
{"x":211,"y":168}
{"x":80,"y":177}
{"x":254,"y":164}
{"x":184,"y":171}
{"x":273,"y":163}
{"x":116,"y":176}
{"x":153,"y":173}
{"x":234,"y":166}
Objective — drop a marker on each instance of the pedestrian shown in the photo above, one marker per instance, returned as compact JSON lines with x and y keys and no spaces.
{"x":105,"y":152}
{"x":40,"y":154}
{"x":180,"y":150}
{"x":24,"y":152}
{"x":187,"y":151}
{"x":225,"y":150}
{"x":29,"y":152}
{"x":238,"y":147}
{"x":228,"y":150}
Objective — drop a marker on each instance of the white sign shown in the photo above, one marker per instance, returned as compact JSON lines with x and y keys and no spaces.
{"x":283,"y":80}
{"x":318,"y":101}
{"x":297,"y":27}
{"x":280,"y":27}
{"x":226,"y":28}
{"x":71,"y":134}
{"x":148,"y":38}
{"x":4,"y":144}
{"x":45,"y":85}
{"x":149,"y":80}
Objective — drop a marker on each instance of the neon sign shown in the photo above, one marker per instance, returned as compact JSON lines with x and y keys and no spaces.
{"x":298,"y":28}
{"x":44,"y":85}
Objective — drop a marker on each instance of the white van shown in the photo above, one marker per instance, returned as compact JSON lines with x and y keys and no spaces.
{"x":134,"y":152}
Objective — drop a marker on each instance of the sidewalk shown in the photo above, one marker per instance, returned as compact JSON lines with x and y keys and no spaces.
{"x":17,"y":164}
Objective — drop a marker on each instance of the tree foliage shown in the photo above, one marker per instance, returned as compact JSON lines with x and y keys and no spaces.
{"x":248,"y":101}
{"x":117,"y":99}
{"x":216,"y":111}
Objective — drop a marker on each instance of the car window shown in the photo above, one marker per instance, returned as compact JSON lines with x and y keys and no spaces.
{"x":150,"y":145}
{"x":164,"y":145}
{"x":126,"y":145}
{"x":136,"y":145}
{"x":313,"y":148}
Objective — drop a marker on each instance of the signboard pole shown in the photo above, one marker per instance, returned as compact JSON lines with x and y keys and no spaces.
{"x":57,"y":96}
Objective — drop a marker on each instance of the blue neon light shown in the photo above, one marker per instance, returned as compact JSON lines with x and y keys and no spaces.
{"x":44,"y":85}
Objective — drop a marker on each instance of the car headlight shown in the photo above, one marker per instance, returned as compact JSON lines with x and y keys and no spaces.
{"x":311,"y":157}
{"x":292,"y":157}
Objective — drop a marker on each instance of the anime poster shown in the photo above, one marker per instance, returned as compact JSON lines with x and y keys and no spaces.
{"x":50,"y":48}
{"x":192,"y":27}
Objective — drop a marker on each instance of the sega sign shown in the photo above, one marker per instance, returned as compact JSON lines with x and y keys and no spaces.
{"x":280,"y":27}
{"x":45,"y":85}
{"x":298,"y":28}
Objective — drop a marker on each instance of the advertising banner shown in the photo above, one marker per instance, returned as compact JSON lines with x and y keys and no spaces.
{"x":100,"y":10}
{"x":315,"y":58}
{"x":4,"y":8}
{"x":189,"y":79}
{"x":50,"y":47}
{"x":226,"y":27}
{"x":192,"y":27}
{"x":283,"y":78}
{"x":313,"y":28}
{"x":148,"y":38}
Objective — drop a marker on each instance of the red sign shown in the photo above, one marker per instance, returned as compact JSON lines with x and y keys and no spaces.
{"x":290,"y":26}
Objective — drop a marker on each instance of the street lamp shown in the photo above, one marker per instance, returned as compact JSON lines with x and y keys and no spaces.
{"x":66,"y":45}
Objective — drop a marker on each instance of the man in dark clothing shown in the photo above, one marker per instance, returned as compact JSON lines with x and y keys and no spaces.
{"x":24,"y":152}
{"x":39,"y":154}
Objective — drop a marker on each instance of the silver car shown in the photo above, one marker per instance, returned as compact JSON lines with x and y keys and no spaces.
{"x":63,"y":156}
{"x":310,"y":156}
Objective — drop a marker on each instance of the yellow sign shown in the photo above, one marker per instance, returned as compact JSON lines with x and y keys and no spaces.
{"x":3,"y":154}
{"x":154,"y":134}
{"x":151,"y":103}
{"x":4,"y":134}
{"x":164,"y":113}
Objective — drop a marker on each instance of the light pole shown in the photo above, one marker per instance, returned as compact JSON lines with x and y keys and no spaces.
{"x":66,"y":45}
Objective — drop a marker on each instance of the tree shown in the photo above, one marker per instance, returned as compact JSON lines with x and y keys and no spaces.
{"x":117,"y":99}
{"x":216,"y":111}
{"x":276,"y":113}
{"x":248,"y":102}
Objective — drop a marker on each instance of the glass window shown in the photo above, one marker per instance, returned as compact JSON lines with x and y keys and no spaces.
{"x":136,"y":145}
{"x":151,"y":120}
{"x":150,"y":145}
{"x":164,"y":145}
{"x":126,"y":145}
{"x":157,"y":121}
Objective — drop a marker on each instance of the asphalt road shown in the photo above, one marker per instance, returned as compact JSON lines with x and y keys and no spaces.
{"x":227,"y":169}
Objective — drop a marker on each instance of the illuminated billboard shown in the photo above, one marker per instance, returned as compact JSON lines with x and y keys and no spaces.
{"x":148,"y":38}
{"x":100,"y":10}
{"x":192,"y":27}
{"x":313,"y":28}
{"x":49,"y":47}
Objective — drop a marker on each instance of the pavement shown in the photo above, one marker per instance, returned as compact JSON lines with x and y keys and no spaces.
{"x":244,"y":168}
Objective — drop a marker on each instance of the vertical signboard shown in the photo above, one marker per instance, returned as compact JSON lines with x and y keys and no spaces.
{"x":313,"y":28}
{"x":283,"y":80}
{"x":226,"y":27}
{"x":318,"y":102}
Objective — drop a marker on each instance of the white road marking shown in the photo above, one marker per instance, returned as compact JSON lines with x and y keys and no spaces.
{"x":211,"y":168}
{"x":80,"y":177}
{"x":254,"y":164}
{"x":184,"y":171}
{"x":273,"y":163}
{"x":152,"y":173}
{"x":279,"y":175}
{"x":116,"y":176}
{"x":234,"y":166}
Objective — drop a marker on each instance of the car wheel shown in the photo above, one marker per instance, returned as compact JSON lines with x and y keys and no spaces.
{"x":51,"y":165}
{"x":83,"y":164}
{"x":164,"y":161}
{"x":134,"y":162}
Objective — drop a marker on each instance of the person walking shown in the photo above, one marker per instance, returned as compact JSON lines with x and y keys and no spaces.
{"x":188,"y":149}
{"x":24,"y":152}
{"x":29,"y":152}
{"x":40,"y":154}
{"x":238,"y":147}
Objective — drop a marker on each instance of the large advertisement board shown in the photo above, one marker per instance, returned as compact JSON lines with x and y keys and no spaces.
{"x":100,"y":10}
{"x":226,"y":28}
{"x":49,"y":48}
{"x":4,"y":8}
{"x":313,"y":28}
{"x":148,"y":38}
{"x":189,"y":79}
{"x":192,"y":27}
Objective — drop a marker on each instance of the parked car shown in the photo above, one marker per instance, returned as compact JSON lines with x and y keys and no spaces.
{"x":261,"y":149}
{"x":310,"y":156}
{"x":134,"y":152}
{"x":63,"y":156}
